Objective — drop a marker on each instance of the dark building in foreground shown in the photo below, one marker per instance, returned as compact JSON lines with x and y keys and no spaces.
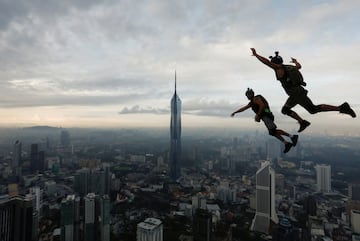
{"x":202,"y":228}
{"x":175,"y":136}
{"x":16,"y":216}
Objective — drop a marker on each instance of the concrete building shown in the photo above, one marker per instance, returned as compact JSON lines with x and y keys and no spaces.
{"x":323,"y":178}
{"x":104,"y":220}
{"x":355,"y":221}
{"x":89,"y":217}
{"x":69,"y":209}
{"x":150,"y":230}
{"x":265,"y":213}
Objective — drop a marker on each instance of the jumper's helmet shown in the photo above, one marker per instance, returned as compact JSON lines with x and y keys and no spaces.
{"x":249,"y":93}
{"x":276,"y":59}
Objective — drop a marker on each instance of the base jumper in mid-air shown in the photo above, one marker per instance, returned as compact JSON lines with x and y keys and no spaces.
{"x":292,"y":82}
{"x":262,"y":110}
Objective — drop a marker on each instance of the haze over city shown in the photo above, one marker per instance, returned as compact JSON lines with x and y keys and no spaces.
{"x":112,"y":63}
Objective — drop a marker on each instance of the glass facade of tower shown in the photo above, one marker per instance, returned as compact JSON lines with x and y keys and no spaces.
{"x":175,"y":135}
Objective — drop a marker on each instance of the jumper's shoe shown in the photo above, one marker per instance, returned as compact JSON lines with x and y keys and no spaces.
{"x":303,"y":125}
{"x":288,"y":145}
{"x":294,"y":139}
{"x":346,"y":109}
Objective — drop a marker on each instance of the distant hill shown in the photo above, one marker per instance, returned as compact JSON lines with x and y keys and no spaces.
{"x":42,"y":128}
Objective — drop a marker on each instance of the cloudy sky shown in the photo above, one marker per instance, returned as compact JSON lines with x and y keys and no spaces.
{"x":111,"y":63}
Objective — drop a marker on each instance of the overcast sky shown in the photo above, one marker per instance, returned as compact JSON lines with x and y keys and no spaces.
{"x":111,"y":63}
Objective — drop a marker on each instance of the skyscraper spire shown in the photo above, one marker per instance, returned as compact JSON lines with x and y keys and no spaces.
{"x":175,"y":81}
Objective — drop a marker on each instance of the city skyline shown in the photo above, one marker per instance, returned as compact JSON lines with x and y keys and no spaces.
{"x":110,"y":64}
{"x":105,"y":184}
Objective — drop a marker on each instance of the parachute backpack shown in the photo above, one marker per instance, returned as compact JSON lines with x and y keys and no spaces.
{"x":293,"y":75}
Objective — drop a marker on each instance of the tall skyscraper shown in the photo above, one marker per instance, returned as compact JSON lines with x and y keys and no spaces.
{"x":16,"y":154}
{"x":265,"y":213}
{"x":89,"y":225}
{"x":323,"y":178}
{"x":81,"y":184}
{"x":16,"y":216}
{"x":37,"y":158}
{"x":150,"y":230}
{"x":175,"y":136}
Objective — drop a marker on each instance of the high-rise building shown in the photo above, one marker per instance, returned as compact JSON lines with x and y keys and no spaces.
{"x":202,"y":228}
{"x":265,"y":214}
{"x":150,"y":230}
{"x":16,"y":216}
{"x":37,"y":158}
{"x":89,"y":217}
{"x":16,"y":154}
{"x":81,"y":184}
{"x":96,"y":181}
{"x":67,"y":213}
{"x":34,"y":157}
{"x":36,"y":195}
{"x":355,"y":220}
{"x":64,"y":138}
{"x":354,"y":192}
{"x":175,"y":136}
{"x":104,"y":225}
{"x":353,"y":202}
{"x":88,"y":220}
{"x":108,"y":174}
{"x":323,"y":178}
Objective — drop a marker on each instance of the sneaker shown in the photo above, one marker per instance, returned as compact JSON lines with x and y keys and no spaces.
{"x":303,"y":125}
{"x":294,"y":139}
{"x":288,"y":145}
{"x":346,"y":109}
